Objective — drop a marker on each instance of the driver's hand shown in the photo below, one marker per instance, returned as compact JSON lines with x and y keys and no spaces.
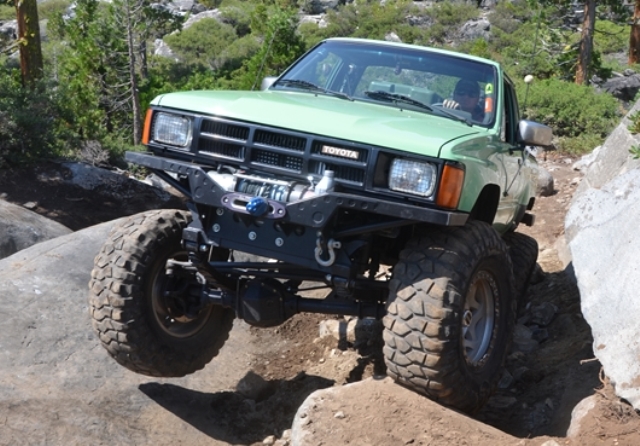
{"x":450,"y":103}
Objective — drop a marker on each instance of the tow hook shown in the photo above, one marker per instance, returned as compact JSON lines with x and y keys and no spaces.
{"x":331,"y":246}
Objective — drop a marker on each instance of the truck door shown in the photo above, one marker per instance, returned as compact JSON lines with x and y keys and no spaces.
{"x":514,"y":179}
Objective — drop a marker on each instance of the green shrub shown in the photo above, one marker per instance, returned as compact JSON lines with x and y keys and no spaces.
{"x":238,"y":15}
{"x":202,"y":43}
{"x":7,"y":12}
{"x":447,"y":18}
{"x":634,"y":127}
{"x":579,"y":116}
{"x":369,"y":19}
{"x":28,"y":122}
{"x":312,"y":33}
{"x":579,"y":145}
{"x":610,"y":37}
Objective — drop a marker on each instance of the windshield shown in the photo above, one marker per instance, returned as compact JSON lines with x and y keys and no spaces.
{"x":416,"y":78}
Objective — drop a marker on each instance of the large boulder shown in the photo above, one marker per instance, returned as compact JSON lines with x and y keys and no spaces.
{"x":60,"y":387}
{"x":21,"y":228}
{"x":601,"y":230}
{"x":380,"y":412}
{"x":624,"y":87}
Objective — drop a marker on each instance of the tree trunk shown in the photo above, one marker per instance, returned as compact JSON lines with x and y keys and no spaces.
{"x":586,"y":42}
{"x":133,"y":81}
{"x":634,"y":38}
{"x":29,"y":41}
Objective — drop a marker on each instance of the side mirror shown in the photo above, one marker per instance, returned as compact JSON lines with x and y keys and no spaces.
{"x":533,"y":133}
{"x":267,"y":82}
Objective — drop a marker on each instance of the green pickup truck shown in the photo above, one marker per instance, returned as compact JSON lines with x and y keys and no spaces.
{"x":393,"y":176}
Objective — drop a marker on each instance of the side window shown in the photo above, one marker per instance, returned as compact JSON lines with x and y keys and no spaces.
{"x":510,"y":115}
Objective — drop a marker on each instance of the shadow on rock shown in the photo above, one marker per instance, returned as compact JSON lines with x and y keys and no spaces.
{"x":248,"y":415}
{"x":551,"y":365}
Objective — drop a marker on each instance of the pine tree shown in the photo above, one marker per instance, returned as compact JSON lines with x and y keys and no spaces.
{"x":29,"y":41}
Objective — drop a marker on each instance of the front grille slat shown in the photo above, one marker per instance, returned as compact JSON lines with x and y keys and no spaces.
{"x":284,"y":151}
{"x":217,"y":128}
{"x":225,"y":149}
{"x":275,"y":139}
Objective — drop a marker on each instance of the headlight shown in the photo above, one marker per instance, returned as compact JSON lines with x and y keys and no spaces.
{"x":412,"y":177}
{"x":172,"y":129}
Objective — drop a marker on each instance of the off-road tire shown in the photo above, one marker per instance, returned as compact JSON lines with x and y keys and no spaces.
{"x":434,"y":311}
{"x":127,"y":307}
{"x":524,"y":255}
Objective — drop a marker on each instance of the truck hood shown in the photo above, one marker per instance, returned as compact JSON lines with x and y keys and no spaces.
{"x":363,"y":122}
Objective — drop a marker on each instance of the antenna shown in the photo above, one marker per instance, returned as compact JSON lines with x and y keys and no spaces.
{"x":264,"y":58}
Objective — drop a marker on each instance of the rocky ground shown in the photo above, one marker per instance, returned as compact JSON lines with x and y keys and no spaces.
{"x":550,"y":369}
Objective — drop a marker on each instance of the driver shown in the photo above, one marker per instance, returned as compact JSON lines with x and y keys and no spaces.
{"x":465,"y":97}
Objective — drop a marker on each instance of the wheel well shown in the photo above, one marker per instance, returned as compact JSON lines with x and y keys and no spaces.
{"x":486,"y":204}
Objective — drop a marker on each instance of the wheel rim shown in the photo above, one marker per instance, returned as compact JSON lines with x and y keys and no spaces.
{"x":167,"y":312}
{"x":478,"y":318}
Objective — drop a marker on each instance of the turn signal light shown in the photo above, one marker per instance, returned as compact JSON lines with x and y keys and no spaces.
{"x":450,"y":187}
{"x":147,"y":127}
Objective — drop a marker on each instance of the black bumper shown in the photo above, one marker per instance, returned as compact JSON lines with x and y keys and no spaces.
{"x":313,"y":212}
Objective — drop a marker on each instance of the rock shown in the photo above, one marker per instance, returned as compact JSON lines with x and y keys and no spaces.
{"x":60,"y":387}
{"x":181,"y":6}
{"x":319,"y":6}
{"x":522,"y":339}
{"x":160,"y":48}
{"x":316,"y":19}
{"x":543,"y":314}
{"x":544,"y":187}
{"x":213,"y":14}
{"x":501,"y":402}
{"x":505,"y":380}
{"x":21,"y":228}
{"x":624,"y":88}
{"x":564,"y":254}
{"x":119,"y":186}
{"x":9,"y":30}
{"x":613,"y":158}
{"x":604,"y":245}
{"x":519,"y":372}
{"x":269,"y":441}
{"x":392,"y":37}
{"x":252,"y":386}
{"x":476,"y":29}
{"x":583,"y":163}
{"x":601,"y":230}
{"x":539,"y":334}
{"x":578,"y":413}
{"x":384,"y":404}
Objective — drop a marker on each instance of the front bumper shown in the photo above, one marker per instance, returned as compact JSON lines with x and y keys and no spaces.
{"x":313,"y":212}
{"x":300,"y":233}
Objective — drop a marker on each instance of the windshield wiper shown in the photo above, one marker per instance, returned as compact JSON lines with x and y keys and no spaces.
{"x":379,"y":94}
{"x":306,"y":85}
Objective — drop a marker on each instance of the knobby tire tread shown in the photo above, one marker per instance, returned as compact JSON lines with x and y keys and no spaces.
{"x":523,"y":250}
{"x":117,"y":301}
{"x":422,"y":324}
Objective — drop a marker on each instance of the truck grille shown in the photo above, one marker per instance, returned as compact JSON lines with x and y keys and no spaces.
{"x":281,"y":151}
